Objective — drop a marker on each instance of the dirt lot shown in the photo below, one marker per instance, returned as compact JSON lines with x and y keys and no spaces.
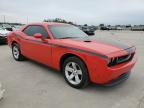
{"x":31,"y":85}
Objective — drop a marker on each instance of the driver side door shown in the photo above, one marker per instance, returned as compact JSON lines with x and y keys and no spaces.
{"x":35,"y":48}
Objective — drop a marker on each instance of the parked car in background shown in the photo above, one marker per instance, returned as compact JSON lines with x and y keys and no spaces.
{"x":81,"y":58}
{"x":137,"y":28}
{"x":104,"y":28}
{"x":88,"y":30}
{"x":119,"y":28}
{"x":16,"y":27}
{"x":3,"y":34}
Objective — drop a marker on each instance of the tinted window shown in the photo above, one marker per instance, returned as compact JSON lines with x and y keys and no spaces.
{"x":66,"y":31}
{"x":9,"y":29}
{"x":31,"y":30}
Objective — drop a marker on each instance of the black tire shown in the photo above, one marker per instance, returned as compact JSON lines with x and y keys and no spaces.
{"x":85,"y":77}
{"x":20,"y":57}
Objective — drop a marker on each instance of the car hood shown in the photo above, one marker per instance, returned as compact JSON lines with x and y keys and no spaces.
{"x":97,"y":44}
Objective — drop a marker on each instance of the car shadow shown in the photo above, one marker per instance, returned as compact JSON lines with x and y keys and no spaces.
{"x":3,"y":44}
{"x":103,"y":88}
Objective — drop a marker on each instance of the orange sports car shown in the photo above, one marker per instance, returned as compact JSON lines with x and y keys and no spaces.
{"x":81,"y":58}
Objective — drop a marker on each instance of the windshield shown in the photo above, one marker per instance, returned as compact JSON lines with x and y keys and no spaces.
{"x":66,"y":31}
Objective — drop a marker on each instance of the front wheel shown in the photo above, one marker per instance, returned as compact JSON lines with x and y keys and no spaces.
{"x":75,"y":72}
{"x":17,"y":53}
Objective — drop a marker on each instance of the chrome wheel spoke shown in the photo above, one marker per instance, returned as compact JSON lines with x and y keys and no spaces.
{"x":69,"y":69}
{"x":74,"y":66}
{"x":71,"y":76}
{"x":77,"y":79}
{"x":79,"y":72}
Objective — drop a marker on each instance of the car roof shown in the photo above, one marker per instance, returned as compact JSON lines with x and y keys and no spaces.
{"x":47,"y":23}
{"x":42,"y":23}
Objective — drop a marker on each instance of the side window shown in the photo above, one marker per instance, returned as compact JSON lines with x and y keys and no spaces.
{"x":31,"y":30}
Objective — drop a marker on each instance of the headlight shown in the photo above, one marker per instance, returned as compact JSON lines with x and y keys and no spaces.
{"x":118,"y":60}
{"x":112,"y":61}
{"x":3,"y":34}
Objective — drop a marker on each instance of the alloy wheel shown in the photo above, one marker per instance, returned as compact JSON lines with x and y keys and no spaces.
{"x":73,"y":73}
{"x":16,"y":52}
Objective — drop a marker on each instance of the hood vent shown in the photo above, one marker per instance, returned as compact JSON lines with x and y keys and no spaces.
{"x":87,"y":41}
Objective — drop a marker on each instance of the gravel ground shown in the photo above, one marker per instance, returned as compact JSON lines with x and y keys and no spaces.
{"x":31,"y":85}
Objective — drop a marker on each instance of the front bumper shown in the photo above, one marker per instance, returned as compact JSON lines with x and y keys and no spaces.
{"x":3,"y":39}
{"x":111,"y":74}
{"x":101,"y":74}
{"x":119,"y":80}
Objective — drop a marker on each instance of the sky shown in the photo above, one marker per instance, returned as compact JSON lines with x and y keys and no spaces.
{"x":92,"y":12}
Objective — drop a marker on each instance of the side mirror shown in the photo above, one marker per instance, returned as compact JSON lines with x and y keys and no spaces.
{"x":38,"y":35}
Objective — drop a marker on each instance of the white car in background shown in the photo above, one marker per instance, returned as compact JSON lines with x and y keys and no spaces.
{"x":119,"y":28}
{"x":15,"y":28}
{"x":3,"y":34}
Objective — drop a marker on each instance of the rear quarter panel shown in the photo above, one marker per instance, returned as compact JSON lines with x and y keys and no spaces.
{"x":11,"y":38}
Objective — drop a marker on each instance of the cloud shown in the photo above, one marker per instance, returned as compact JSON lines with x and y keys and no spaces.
{"x":79,"y":11}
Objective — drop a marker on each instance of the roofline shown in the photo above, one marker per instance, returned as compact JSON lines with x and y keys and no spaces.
{"x":47,"y":23}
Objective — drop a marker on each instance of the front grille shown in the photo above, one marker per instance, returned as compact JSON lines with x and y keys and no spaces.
{"x":121,"y":59}
{"x":2,"y":37}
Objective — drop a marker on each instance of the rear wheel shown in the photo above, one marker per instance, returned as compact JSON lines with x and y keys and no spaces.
{"x":17,"y":53}
{"x":75,"y":72}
